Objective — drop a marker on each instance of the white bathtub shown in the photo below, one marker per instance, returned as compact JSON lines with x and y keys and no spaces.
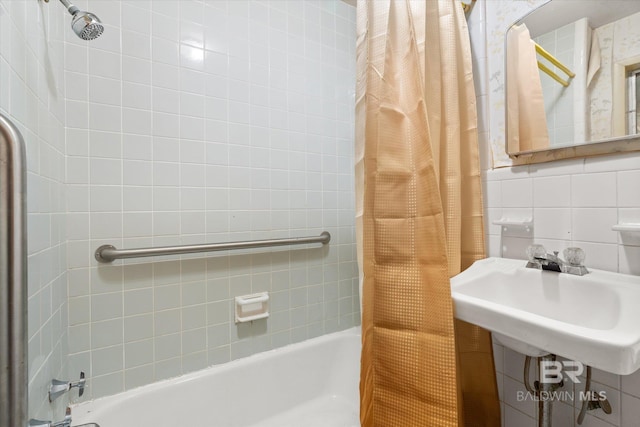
{"x":310,"y":384}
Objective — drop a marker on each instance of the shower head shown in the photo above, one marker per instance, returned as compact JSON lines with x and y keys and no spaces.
{"x":85,"y":24}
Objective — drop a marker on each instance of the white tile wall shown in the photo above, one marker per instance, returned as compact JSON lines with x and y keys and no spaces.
{"x":572,"y":203}
{"x":574,"y":209}
{"x":197,"y":122}
{"x":32,"y":95}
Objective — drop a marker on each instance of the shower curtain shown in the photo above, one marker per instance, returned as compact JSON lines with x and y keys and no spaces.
{"x":526,"y":119}
{"x":419,"y":217}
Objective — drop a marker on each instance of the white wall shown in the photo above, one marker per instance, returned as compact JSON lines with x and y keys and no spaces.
{"x":32,"y":95}
{"x":572,"y":203}
{"x":194,"y":122}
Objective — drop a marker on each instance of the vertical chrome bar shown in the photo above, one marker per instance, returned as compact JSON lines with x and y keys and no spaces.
{"x":545,"y":403}
{"x":13,"y":278}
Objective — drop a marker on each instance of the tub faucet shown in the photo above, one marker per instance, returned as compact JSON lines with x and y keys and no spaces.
{"x":64,"y":423}
{"x":540,"y":259}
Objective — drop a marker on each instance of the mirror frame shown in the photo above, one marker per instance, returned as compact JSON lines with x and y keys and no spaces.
{"x":613,"y":145}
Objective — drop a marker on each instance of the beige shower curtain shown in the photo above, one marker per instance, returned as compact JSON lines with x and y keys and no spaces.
{"x":526,"y":118}
{"x":419,"y":217}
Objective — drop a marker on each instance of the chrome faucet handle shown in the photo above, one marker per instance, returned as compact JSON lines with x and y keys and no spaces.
{"x":535,"y":251}
{"x":64,"y":423}
{"x":534,"y":254}
{"x":58,"y":388}
{"x":80,"y":384}
{"x":574,"y":256}
{"x":575,"y":261}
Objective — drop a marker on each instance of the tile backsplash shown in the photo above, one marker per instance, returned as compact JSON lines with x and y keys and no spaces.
{"x":572,"y":203}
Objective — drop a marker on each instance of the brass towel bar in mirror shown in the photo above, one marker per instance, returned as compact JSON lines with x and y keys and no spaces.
{"x":540,"y":50}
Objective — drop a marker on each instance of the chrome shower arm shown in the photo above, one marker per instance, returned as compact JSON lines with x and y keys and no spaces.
{"x":70,"y":7}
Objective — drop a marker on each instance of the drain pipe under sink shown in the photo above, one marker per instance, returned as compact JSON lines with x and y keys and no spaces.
{"x":541,"y":390}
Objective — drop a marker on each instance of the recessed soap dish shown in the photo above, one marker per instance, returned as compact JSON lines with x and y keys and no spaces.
{"x":252,"y":307}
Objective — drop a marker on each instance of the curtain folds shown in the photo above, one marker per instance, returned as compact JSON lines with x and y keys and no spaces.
{"x":527,"y":120}
{"x":419,"y":217}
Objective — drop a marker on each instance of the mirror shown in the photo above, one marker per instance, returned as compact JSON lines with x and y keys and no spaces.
{"x":573,"y":80}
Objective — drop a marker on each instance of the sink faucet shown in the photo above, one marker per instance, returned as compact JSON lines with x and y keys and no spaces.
{"x":551,"y":262}
{"x":540,"y":259}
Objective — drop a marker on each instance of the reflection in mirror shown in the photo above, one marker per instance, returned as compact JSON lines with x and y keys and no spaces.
{"x":573,"y":75}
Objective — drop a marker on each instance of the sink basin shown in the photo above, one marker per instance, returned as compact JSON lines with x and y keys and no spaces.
{"x":594,"y":319}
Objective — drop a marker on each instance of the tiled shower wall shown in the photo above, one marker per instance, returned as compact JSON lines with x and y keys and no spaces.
{"x":565,"y":106}
{"x":31,"y":94}
{"x":572,"y":202}
{"x":194,"y":122}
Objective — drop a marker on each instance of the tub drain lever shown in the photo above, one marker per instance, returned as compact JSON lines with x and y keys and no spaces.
{"x":58,"y":388}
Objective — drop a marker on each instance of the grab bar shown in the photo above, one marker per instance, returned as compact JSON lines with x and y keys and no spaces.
{"x":13,"y":277}
{"x":108,"y":253}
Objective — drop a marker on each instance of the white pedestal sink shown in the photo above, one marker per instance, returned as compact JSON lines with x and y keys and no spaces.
{"x":594,"y":319}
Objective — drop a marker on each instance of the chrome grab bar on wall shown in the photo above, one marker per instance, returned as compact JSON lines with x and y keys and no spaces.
{"x":108,"y":253}
{"x":13,"y":278}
